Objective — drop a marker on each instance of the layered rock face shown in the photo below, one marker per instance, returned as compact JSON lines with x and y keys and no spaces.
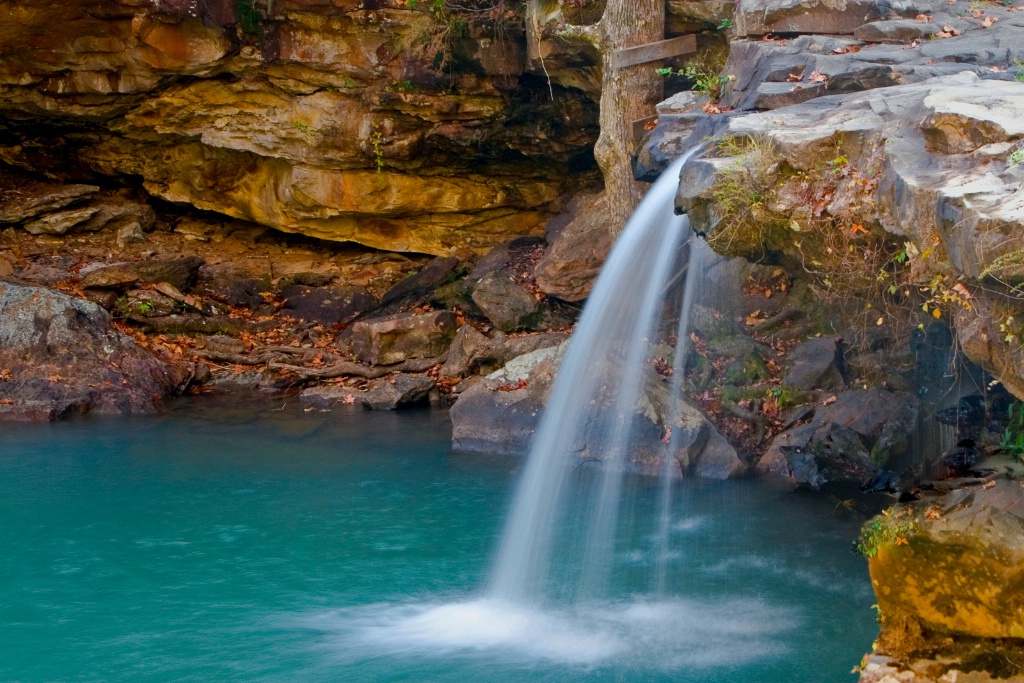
{"x":929,"y":167}
{"x":379,"y":123}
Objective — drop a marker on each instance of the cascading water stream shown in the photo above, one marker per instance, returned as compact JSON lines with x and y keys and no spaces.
{"x":699,"y":257}
{"x":590,"y":408}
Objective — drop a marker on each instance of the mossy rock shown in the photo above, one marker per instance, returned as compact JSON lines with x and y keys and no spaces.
{"x":956,"y":566}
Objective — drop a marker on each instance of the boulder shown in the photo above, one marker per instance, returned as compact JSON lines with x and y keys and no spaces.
{"x":502,"y":412}
{"x":179,"y":272}
{"x":61,"y":356}
{"x":815,"y":364}
{"x":327,"y":305}
{"x":403,"y":336}
{"x":507,"y":304}
{"x":951,"y":566}
{"x":397,"y":391}
{"x":846,"y":440}
{"x":466,"y":343}
{"x":576,"y":253}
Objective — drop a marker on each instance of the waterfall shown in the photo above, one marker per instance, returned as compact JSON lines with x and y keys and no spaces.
{"x":589,"y":413}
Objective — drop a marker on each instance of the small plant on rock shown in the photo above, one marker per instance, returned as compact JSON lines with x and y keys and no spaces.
{"x":892,"y":527}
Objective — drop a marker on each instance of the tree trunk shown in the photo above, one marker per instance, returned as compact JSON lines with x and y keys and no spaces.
{"x":627,"y":94}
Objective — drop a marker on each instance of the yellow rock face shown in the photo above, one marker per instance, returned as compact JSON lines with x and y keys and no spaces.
{"x":387,"y":210}
{"x":321,"y":118}
{"x":961,"y":567}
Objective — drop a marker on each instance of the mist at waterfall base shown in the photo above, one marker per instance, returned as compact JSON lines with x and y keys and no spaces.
{"x":355,"y":546}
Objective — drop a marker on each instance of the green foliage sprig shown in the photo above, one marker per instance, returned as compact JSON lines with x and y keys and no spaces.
{"x":892,"y":527}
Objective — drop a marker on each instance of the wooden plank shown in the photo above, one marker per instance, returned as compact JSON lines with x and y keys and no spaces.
{"x":640,"y":125}
{"x":652,"y":52}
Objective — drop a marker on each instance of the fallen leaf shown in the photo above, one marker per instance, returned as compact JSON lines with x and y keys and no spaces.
{"x":950,"y":30}
{"x":988,"y":22}
{"x":6,"y":401}
{"x":5,"y":375}
{"x":977,"y":13}
{"x":932,"y":513}
{"x":923,"y":17}
{"x":793,"y":78}
{"x":349,"y":399}
{"x":880,"y":321}
{"x":829,"y":401}
{"x":997,"y":69}
{"x":857,"y":227}
{"x":942,"y":34}
{"x":989,"y":484}
{"x":818,"y":77}
{"x":651,"y":125}
{"x":54,"y":378}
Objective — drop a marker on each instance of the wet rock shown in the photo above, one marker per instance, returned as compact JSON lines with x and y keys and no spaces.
{"x":180,"y":272}
{"x":506,"y":304}
{"x":815,"y":364}
{"x":846,"y":440}
{"x":501,"y":414}
{"x":403,"y":336}
{"x":326,"y":397}
{"x":426,"y":280}
{"x":327,"y":305}
{"x":61,"y":356}
{"x":397,"y":391}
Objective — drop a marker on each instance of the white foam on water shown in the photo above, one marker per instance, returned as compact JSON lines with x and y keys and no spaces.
{"x":666,"y":634}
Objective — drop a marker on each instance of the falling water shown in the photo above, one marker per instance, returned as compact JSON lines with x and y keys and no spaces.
{"x":700,"y":256}
{"x":590,"y":410}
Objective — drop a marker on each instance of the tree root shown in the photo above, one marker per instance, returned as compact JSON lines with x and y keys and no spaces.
{"x":342,"y":368}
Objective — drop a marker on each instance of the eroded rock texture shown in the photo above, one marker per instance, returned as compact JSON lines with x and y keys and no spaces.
{"x":378,"y":123}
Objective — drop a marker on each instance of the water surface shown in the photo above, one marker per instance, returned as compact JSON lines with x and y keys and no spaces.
{"x":262,"y":543}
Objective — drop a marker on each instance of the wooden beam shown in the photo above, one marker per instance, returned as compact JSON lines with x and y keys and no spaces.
{"x":652,"y":52}
{"x":640,"y":127}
